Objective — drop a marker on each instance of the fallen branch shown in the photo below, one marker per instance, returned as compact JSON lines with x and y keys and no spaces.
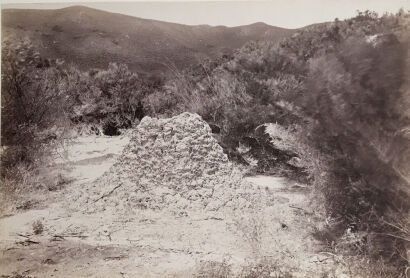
{"x":120,"y":257}
{"x":55,"y":238}
{"x":295,"y":207}
{"x":11,"y":248}
{"x":26,"y":236}
{"x":69,"y":235}
{"x":108,"y":194}
{"x":305,"y":211}
{"x":214,"y":218}
{"x":28,"y":242}
{"x":322,"y":260}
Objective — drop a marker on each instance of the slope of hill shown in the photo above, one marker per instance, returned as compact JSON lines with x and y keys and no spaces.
{"x":93,"y":38}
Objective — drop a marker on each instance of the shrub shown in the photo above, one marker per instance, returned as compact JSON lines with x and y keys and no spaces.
{"x":32,"y":103}
{"x":120,"y":97}
{"x":355,"y":99}
{"x":38,"y":227}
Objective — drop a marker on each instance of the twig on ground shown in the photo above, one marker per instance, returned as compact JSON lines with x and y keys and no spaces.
{"x":70,"y":235}
{"x":26,"y":236}
{"x":27,"y":242}
{"x":108,"y":194}
{"x":55,"y":237}
{"x":120,"y":257}
{"x":305,"y":211}
{"x":10,"y":248}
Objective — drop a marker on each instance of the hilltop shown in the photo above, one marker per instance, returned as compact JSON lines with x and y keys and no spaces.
{"x":92,"y":38}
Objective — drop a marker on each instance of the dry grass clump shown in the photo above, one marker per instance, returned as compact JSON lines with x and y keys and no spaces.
{"x":22,"y":186}
{"x":362,"y":267}
{"x":15,"y":186}
{"x":214,"y":269}
{"x":259,"y":268}
{"x":16,"y":276}
{"x":38,"y":227}
{"x":265,"y":268}
{"x":251,"y":227}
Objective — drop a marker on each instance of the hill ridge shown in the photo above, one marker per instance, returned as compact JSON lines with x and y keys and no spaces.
{"x":91,"y":38}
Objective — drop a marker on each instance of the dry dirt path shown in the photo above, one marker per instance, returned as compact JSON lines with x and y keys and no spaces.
{"x":159,"y":243}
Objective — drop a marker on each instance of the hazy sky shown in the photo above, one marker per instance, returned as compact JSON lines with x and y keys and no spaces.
{"x":283,"y":13}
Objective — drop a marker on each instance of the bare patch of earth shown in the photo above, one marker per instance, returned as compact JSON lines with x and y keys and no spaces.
{"x":158,"y":243}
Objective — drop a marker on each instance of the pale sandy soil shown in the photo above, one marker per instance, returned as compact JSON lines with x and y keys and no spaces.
{"x":157,"y":243}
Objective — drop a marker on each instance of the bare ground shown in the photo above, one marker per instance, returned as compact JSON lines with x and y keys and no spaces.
{"x":159,"y":243}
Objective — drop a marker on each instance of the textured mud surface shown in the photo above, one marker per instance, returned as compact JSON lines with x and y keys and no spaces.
{"x":161,"y":207}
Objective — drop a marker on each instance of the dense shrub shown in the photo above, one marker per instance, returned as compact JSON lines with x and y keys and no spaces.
{"x":42,"y":98}
{"x":32,"y":102}
{"x":355,"y":97}
{"x":356,"y":102}
{"x":120,"y":98}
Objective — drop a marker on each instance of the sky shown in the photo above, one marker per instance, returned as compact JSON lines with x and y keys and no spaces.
{"x":282,"y":13}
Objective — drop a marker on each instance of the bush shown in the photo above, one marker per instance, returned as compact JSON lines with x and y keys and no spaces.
{"x":32,"y":103}
{"x":120,"y":95}
{"x":355,"y":99}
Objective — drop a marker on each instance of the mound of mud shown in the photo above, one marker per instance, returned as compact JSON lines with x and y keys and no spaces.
{"x":171,"y":162}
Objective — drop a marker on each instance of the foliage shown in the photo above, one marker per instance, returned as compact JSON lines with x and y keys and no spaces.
{"x":42,"y":99}
{"x":120,"y":95}
{"x":32,"y":102}
{"x":355,"y":97}
{"x":357,"y":101}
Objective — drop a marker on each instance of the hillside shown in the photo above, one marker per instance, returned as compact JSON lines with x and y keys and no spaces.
{"x":93,"y":38}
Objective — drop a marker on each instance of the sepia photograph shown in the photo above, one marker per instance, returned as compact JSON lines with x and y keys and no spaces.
{"x":205,"y":139}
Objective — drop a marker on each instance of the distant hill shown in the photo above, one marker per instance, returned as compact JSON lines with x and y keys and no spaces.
{"x":92,"y":38}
